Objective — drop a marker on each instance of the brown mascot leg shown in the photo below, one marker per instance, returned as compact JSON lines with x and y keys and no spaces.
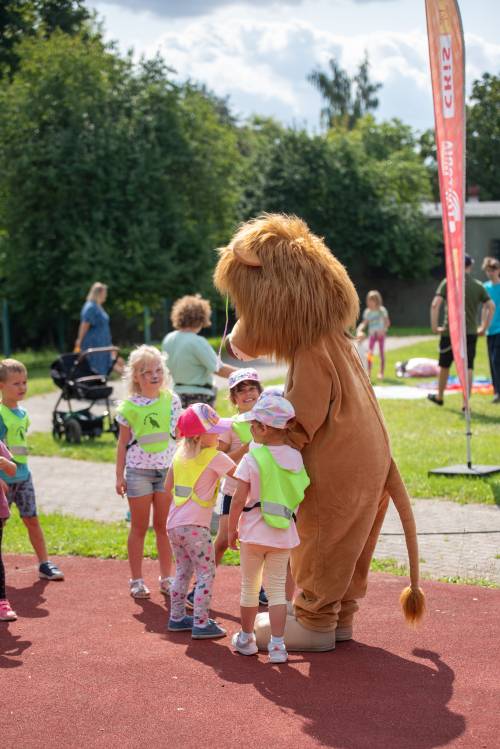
{"x":358,"y":585}
{"x":337,"y":598}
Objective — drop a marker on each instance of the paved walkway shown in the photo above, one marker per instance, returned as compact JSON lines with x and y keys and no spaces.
{"x":456,"y":540}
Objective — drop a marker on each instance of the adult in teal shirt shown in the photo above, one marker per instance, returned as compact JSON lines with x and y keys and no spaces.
{"x":491,"y":267}
{"x":191,"y":360}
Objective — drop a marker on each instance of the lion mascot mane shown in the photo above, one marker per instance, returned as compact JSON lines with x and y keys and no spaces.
{"x":295,"y":302}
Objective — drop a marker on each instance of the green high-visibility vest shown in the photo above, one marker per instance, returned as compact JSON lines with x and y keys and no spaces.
{"x":15,"y":439}
{"x":187,"y":471}
{"x":151,"y":423}
{"x":281,"y":490}
{"x":242,"y":430}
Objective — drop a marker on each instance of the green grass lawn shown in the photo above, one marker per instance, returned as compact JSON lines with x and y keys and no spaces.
{"x":70,"y":536}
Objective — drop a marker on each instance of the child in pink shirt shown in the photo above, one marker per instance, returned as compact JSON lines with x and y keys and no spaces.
{"x":7,"y":614}
{"x":271,"y":484}
{"x":192,"y":482}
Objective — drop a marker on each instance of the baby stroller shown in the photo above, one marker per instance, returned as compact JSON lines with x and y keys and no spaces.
{"x":78,"y":381}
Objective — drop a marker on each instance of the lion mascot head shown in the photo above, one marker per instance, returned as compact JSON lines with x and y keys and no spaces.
{"x":287,"y":287}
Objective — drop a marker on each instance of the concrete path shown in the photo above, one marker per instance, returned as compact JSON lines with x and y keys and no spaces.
{"x":455,"y":540}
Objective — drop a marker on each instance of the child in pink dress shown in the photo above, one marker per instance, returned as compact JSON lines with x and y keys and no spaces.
{"x":271,"y":484}
{"x":192,"y":483}
{"x":7,"y":614}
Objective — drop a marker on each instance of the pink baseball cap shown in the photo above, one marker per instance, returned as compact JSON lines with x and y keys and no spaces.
{"x":270,"y":409}
{"x":200,"y":418}
{"x":243,"y":375}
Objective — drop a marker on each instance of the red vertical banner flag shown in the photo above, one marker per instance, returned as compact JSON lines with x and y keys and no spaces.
{"x":447,"y":61}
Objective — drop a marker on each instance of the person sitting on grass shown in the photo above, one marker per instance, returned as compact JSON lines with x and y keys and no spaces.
{"x":476,"y":297}
{"x":271,"y":484}
{"x":14,"y":423}
{"x":192,"y":483}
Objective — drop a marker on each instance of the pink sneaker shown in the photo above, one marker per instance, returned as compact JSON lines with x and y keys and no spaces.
{"x":7,"y":614}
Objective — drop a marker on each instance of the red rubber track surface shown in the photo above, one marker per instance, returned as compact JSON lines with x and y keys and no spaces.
{"x":86,"y":666}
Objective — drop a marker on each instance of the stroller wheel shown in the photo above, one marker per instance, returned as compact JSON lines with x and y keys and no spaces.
{"x":57,"y":432}
{"x":73,"y":431}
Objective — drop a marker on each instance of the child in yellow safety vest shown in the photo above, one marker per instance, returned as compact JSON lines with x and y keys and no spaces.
{"x":244,"y":389}
{"x":146,"y":446}
{"x":192,"y":485}
{"x":14,"y":423}
{"x":271,"y":484}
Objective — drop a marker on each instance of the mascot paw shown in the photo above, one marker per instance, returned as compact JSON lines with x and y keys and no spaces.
{"x":297,"y":637}
{"x":343,"y":633}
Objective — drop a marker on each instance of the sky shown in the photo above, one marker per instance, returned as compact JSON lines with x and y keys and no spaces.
{"x":259,"y":53}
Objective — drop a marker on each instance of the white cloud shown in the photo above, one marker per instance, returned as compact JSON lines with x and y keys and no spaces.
{"x":262,"y":60}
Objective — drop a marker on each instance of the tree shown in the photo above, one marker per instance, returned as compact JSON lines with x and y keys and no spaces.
{"x":361,"y":190}
{"x":341,"y":107}
{"x":483,"y":137}
{"x":482,"y":141}
{"x":107,"y":171}
{"x":24,"y":18}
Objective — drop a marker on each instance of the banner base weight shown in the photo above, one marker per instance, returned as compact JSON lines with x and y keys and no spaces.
{"x":464,"y":470}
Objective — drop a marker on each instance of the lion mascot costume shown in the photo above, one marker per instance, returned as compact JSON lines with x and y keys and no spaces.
{"x":296,"y":303}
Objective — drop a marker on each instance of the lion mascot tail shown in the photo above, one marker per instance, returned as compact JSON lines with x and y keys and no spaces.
{"x":412,"y":598}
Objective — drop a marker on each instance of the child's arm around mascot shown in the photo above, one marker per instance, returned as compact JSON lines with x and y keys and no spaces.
{"x":295,"y":302}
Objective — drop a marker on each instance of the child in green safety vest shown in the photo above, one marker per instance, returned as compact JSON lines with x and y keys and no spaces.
{"x":14,"y":423}
{"x":146,"y":446}
{"x":244,"y":389}
{"x":192,"y":485}
{"x":271,"y":481}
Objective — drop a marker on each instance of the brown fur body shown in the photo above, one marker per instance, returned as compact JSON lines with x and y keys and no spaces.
{"x":295,"y":301}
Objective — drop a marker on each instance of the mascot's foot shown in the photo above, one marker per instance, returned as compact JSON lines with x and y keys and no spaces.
{"x":343,"y":633}
{"x":297,"y":637}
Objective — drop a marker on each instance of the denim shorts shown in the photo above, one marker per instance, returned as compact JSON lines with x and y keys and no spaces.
{"x":142,"y":481}
{"x":22,"y":494}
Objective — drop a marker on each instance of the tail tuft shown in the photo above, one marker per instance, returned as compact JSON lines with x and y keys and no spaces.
{"x":412,"y":601}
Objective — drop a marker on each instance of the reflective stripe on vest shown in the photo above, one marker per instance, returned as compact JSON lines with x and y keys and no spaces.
{"x":281,"y":489}
{"x":15,"y":439}
{"x":151,"y":439}
{"x":187,"y":471}
{"x":18,"y":450}
{"x":148,"y":422}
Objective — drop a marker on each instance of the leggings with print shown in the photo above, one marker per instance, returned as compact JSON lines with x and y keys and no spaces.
{"x":194,"y":552}
{"x":380,"y":337}
{"x":2,"y":568}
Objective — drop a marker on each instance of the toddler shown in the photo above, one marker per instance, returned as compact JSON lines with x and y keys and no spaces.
{"x":14,"y":423}
{"x":146,"y":446}
{"x":244,"y":389}
{"x":376,"y":319}
{"x":271,"y":484}
{"x":192,"y":482}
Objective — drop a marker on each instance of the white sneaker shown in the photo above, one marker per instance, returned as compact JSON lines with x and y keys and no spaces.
{"x":165,"y":585}
{"x":245,"y":648}
{"x":277,"y":652}
{"x":138,"y":589}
